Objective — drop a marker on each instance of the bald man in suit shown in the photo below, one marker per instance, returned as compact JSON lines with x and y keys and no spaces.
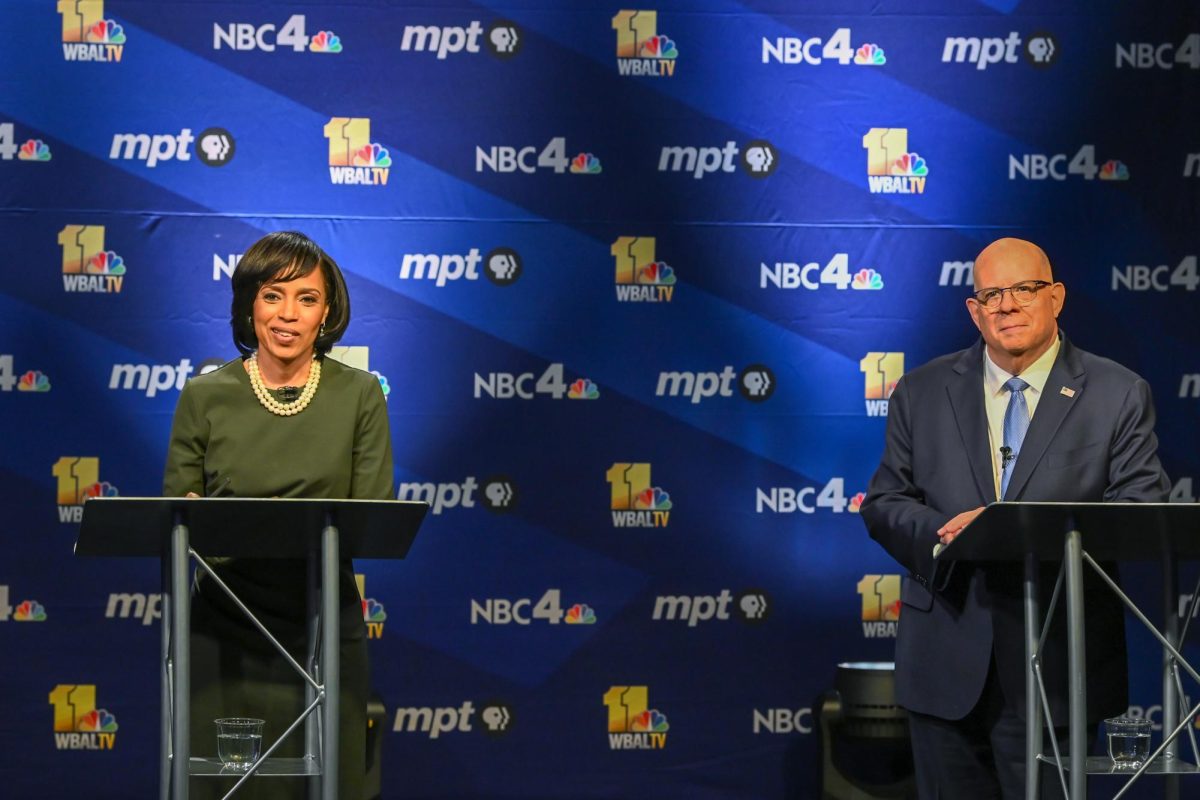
{"x":1023,"y":415}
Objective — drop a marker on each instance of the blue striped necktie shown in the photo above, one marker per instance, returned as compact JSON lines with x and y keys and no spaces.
{"x":1016,"y":423}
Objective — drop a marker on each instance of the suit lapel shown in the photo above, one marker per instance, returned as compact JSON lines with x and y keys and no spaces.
{"x":1052,"y":409}
{"x":965,"y":392}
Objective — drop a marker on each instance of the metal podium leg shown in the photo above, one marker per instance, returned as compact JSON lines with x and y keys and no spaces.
{"x":330,"y":642}
{"x":312,"y":735}
{"x":165,"y":690}
{"x":1170,"y":704}
{"x":181,"y":656}
{"x":1076,"y":659}
{"x":1033,"y":710}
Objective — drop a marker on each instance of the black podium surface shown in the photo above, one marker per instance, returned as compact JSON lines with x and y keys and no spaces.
{"x":246,"y":527}
{"x":1111,"y":531}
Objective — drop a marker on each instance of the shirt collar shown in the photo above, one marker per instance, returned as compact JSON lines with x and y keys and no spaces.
{"x":1036,"y":374}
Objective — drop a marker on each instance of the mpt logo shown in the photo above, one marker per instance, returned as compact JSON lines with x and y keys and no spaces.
{"x":150,"y":378}
{"x":216,"y":147}
{"x":1040,"y":51}
{"x":752,"y":607}
{"x":503,"y":266}
{"x":503,"y":39}
{"x":755,"y":383}
{"x":497,"y":717}
{"x":499,"y":494}
{"x":759,"y":159}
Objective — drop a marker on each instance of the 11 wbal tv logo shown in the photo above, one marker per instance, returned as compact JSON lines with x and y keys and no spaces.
{"x":891,"y":168}
{"x":78,"y":480}
{"x":641,"y":50}
{"x":640,"y":277}
{"x":374,"y":614}
{"x":632,"y":724}
{"x":354,"y":160}
{"x":87,"y":35}
{"x":636,"y":503}
{"x":78,"y":724}
{"x":880,"y":605}
{"x":881,"y":372}
{"x":86,"y":265}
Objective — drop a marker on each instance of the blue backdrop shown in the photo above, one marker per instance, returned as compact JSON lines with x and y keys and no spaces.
{"x":637,"y":282}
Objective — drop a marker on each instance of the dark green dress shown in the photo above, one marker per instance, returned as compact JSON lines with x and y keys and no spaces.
{"x":225,"y":444}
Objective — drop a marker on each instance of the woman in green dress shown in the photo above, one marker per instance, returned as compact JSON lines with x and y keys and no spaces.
{"x":281,"y":421}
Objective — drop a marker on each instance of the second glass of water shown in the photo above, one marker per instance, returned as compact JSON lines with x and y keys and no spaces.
{"x":239,"y":741}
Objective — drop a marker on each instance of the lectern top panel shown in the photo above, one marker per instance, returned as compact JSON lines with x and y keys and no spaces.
{"x":247,"y":527}
{"x":1113,"y":531}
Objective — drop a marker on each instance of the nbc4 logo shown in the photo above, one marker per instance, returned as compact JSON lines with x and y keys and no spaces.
{"x":87,"y":35}
{"x":78,"y":724}
{"x":246,"y":36}
{"x":26,"y":610}
{"x":794,"y":50}
{"x":636,"y":503}
{"x":641,"y":278}
{"x":891,"y":168}
{"x":523,"y":611}
{"x":86,"y":265}
{"x":78,"y":480}
{"x":632,"y":724}
{"x":31,"y":380}
{"x":30,"y":150}
{"x":641,"y":50}
{"x":881,"y":372}
{"x":355,"y":160}
{"x":374,"y":614}
{"x":1043,"y":166}
{"x":836,"y":273}
{"x":880,"y":605}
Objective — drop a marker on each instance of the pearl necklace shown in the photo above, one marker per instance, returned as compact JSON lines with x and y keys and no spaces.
{"x":270,"y":403}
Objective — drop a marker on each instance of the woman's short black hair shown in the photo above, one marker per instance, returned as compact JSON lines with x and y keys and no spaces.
{"x":280,"y":257}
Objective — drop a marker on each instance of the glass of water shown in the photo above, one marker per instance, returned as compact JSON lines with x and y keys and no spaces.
{"x":239,"y":741}
{"x":1128,"y":741}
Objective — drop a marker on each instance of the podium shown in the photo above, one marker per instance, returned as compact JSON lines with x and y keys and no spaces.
{"x":1077,"y":534}
{"x":177,"y":530}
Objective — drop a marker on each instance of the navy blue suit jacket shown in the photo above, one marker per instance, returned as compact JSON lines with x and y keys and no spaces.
{"x":1097,"y":444}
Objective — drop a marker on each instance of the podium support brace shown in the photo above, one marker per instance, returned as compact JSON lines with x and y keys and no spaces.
{"x":330,"y":644}
{"x":1033,"y":710}
{"x":1076,"y":659}
{"x":166,"y":693}
{"x":181,"y":658}
{"x":1170,"y":704}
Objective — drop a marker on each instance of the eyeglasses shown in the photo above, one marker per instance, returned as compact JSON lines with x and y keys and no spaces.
{"x":1023,"y":294}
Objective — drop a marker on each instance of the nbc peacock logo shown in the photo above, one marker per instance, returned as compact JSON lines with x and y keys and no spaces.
{"x":87,"y":35}
{"x":78,"y":724}
{"x":355,"y":160}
